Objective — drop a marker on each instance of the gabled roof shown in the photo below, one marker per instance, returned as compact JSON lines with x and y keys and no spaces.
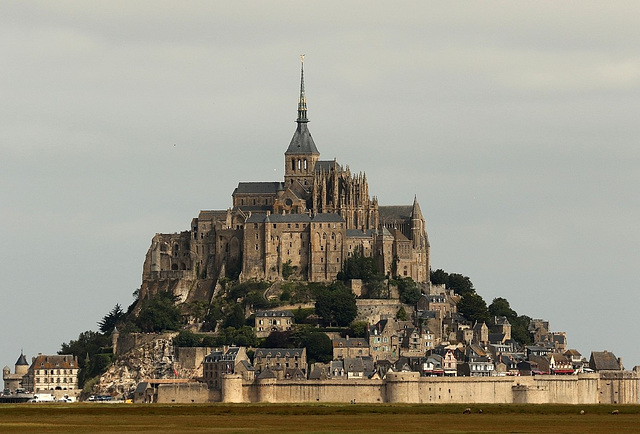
{"x":327,"y":217}
{"x":258,"y":187}
{"x":274,"y":313}
{"x":326,"y":166}
{"x":350,"y":343}
{"x":212,"y":215}
{"x":64,"y":361}
{"x":388,"y":214}
{"x":604,"y":361}
{"x":282,"y":352}
{"x":357,"y":233}
{"x":267,"y":373}
{"x":279,"y":218}
{"x":496,"y":338}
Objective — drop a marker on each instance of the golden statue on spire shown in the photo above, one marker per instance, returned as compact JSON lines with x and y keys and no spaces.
{"x":302,"y":58}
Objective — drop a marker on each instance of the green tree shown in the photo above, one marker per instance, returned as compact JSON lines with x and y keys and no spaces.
{"x":358,"y":266}
{"x":288,"y":269}
{"x":109,"y":321}
{"x":439,"y":277}
{"x":401,"y":315}
{"x":159,"y":313}
{"x":408,"y":290}
{"x":336,"y":304}
{"x":187,"y":338}
{"x":500,"y":307}
{"x":460,"y":284}
{"x":359,"y":329}
{"x":473,"y":307}
{"x":235,"y":318}
{"x":520,"y":330}
{"x":212,"y":317}
{"x":319,"y":347}
{"x":88,"y":345}
{"x":278,"y":339}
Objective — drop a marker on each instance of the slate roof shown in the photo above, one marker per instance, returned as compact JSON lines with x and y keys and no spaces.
{"x":58,"y":361}
{"x":350,"y":343}
{"x":327,"y":217}
{"x":212,"y":215}
{"x":604,"y":361}
{"x":272,"y":352}
{"x":326,"y":166}
{"x":253,"y":208}
{"x":279,"y":218}
{"x":496,"y":338}
{"x":219,"y":356}
{"x":22,"y":360}
{"x":258,"y":187}
{"x":393,"y":213}
{"x":357,"y":233}
{"x":274,"y":313}
{"x":302,"y":142}
{"x":267,"y":373}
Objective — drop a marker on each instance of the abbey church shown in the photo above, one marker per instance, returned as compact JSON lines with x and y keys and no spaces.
{"x":305,"y":226}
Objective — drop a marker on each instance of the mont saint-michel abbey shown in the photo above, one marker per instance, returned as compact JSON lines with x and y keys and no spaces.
{"x":308,"y":223}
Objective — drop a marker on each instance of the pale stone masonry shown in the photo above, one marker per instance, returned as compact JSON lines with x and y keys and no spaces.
{"x":305,"y":226}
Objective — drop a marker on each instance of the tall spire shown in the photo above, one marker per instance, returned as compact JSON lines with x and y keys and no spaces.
{"x":302,"y":100}
{"x":302,"y":142}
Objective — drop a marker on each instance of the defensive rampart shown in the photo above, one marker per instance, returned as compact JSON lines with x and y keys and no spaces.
{"x":409,"y":387}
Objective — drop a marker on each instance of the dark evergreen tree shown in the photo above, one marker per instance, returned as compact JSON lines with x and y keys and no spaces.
{"x":336,"y":304}
{"x":109,"y":321}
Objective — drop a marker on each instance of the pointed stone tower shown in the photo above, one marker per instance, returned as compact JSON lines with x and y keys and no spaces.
{"x":301,"y":155}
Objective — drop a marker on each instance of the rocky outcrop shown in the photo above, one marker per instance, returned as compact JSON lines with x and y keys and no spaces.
{"x":152,"y":360}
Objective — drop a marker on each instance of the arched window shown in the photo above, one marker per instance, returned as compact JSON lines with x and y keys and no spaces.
{"x":305,"y":164}
{"x":293,"y":164}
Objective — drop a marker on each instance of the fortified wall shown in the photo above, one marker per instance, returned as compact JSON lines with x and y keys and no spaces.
{"x":372,"y":310}
{"x":409,"y":387}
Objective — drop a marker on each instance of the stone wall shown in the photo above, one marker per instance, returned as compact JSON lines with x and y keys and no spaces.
{"x":409,"y":387}
{"x":184,"y":393}
{"x":372,"y":310}
{"x":191,"y":357}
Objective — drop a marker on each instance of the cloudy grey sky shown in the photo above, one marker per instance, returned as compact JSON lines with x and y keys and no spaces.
{"x":515,"y":123}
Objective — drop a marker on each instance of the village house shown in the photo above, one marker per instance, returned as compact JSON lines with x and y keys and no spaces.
{"x":231,"y":360}
{"x":350,"y":347}
{"x":268,"y":321}
{"x":53,"y":372}
{"x":605,"y":361}
{"x":280,"y":359}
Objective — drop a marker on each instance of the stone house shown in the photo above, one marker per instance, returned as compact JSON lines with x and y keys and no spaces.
{"x":280,"y":359}
{"x":268,"y":321}
{"x":481,"y":333}
{"x":416,"y":341}
{"x":347,"y":347}
{"x":385,"y":338}
{"x":450,"y":364}
{"x":500,"y":325}
{"x":53,"y":372}
{"x":605,"y":361}
{"x":231,"y":360}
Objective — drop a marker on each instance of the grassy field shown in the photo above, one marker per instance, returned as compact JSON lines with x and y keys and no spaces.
{"x":316,"y":418}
